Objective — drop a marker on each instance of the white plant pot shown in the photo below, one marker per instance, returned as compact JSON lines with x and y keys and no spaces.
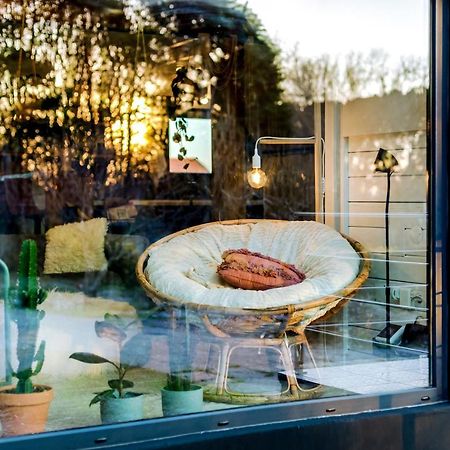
{"x":115,"y":410}
{"x":182,"y":402}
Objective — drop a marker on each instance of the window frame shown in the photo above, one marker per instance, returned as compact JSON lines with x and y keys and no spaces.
{"x":159,"y":432}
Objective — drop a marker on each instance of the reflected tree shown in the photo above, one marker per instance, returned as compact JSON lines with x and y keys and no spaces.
{"x":86,"y":92}
{"x":356,"y":75}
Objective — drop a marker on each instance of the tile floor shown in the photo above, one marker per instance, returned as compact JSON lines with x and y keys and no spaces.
{"x":374,"y":377}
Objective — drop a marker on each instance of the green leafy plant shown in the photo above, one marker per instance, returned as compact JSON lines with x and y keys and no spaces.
{"x":184,"y":93}
{"x":25,"y":313}
{"x":181,"y":137}
{"x":133,"y":352}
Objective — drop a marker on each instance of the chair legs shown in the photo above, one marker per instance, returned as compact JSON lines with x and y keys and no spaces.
{"x":222,"y":373}
{"x":300,"y":344}
{"x":310,"y":353}
{"x":291,"y":377}
{"x":281,"y":345}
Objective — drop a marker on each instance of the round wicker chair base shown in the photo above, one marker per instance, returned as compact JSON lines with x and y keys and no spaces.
{"x":210,"y":395}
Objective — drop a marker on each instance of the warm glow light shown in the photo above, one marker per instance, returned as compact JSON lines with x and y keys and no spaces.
{"x":256,"y":178}
{"x":139,"y":132}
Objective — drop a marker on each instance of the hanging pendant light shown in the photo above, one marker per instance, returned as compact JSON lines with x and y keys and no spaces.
{"x":256,"y":177}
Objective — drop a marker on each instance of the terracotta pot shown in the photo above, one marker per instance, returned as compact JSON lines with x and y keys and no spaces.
{"x":24,"y":413}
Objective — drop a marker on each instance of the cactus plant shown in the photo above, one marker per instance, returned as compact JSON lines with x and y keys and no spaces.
{"x":27,"y":316}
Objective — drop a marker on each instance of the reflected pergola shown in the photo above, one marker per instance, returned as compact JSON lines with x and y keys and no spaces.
{"x":94,"y":84}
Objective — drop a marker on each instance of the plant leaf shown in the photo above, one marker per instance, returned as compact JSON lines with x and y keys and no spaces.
{"x":110,"y":331}
{"x":102,"y":396}
{"x":41,"y":296}
{"x":39,"y":358}
{"x":186,"y":166}
{"x":132,"y":394}
{"x":115,"y":320}
{"x":136,"y":351}
{"x":89,"y":358}
{"x":180,"y":157}
{"x":115,"y":384}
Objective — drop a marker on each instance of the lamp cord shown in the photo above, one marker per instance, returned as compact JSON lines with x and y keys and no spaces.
{"x":276,"y":138}
{"x":322,"y":154}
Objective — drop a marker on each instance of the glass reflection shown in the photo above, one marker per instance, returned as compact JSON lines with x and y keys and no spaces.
{"x":131,"y":120}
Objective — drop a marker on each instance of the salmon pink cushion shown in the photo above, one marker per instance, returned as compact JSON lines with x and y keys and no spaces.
{"x":250,"y":270}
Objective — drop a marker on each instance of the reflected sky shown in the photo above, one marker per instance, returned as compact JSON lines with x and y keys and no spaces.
{"x":335,"y":27}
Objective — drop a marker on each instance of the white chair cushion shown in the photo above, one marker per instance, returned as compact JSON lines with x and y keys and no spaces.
{"x":185,"y":266}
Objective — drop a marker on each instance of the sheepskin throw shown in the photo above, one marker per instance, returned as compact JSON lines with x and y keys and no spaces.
{"x":185,"y":267}
{"x":76,"y":247}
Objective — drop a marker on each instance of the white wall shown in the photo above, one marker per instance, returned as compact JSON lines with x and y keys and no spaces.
{"x":68,"y":327}
{"x":353,"y":133}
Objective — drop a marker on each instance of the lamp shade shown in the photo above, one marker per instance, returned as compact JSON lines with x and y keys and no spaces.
{"x":385,"y":161}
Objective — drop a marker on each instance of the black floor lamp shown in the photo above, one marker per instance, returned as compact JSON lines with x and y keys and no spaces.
{"x":385,"y":162}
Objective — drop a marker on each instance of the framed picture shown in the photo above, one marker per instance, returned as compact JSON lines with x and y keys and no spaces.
{"x":190,"y":145}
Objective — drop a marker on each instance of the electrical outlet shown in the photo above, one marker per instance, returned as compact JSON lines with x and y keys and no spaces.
{"x":418,"y":298}
{"x":405,"y":296}
{"x":414,"y":239}
{"x":401,"y":296}
{"x":395,"y":295}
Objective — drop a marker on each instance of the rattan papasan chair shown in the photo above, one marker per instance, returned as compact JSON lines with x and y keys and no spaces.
{"x":180,"y":270}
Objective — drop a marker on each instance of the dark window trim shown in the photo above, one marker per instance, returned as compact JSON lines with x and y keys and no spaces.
{"x":162,"y":432}
{"x":439,"y":199}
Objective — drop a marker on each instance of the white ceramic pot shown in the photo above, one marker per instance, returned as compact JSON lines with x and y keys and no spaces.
{"x":182,"y":402}
{"x":115,"y":410}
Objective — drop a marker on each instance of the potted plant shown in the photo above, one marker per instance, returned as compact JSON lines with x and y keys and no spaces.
{"x":117,"y":403}
{"x":180,"y":395}
{"x":24,"y":408}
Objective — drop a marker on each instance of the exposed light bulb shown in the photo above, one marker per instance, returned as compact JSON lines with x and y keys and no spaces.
{"x":256,"y":178}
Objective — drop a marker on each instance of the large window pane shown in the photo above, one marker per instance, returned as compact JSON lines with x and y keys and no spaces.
{"x":266,"y":169}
